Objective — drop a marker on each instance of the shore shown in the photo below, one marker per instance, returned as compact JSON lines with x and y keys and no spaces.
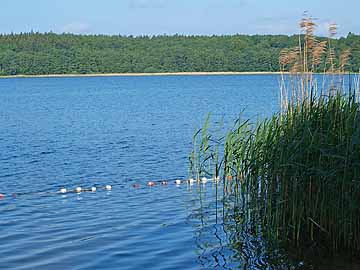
{"x":140,"y":74}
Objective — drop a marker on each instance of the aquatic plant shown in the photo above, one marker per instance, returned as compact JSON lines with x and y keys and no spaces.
{"x":298,"y":173}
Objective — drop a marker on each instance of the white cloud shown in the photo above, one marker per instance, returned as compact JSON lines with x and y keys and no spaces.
{"x":77,"y":28}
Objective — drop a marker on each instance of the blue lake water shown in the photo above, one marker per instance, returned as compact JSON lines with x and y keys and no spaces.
{"x":69,"y":132}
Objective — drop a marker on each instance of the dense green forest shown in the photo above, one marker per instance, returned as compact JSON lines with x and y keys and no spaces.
{"x":49,"y":53}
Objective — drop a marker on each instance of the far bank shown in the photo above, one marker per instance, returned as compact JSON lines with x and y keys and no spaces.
{"x":140,"y":74}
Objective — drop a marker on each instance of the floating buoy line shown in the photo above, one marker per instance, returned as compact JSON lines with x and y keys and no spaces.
{"x":93,"y":189}
{"x":80,"y":189}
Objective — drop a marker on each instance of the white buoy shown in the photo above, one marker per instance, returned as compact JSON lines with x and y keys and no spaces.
{"x":191,"y":181}
{"x":204,"y":180}
{"x":178,"y":182}
{"x":151,"y":183}
{"x":217,"y":178}
{"x":108,"y":187}
{"x":63,"y":190}
{"x":78,"y":189}
{"x":93,"y":189}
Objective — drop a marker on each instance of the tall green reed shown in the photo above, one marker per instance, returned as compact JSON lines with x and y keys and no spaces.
{"x":298,"y":172}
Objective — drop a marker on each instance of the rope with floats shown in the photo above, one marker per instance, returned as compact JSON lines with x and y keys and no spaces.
{"x":62,"y":191}
{"x":80,"y":189}
{"x":178,"y":182}
{"x":94,"y":189}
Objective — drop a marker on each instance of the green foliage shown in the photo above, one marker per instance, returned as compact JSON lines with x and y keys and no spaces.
{"x":298,"y":172}
{"x":35,"y":53}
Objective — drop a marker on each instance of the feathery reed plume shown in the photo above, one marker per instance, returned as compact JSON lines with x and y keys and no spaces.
{"x":308,"y":27}
{"x":318,"y":53}
{"x":284,"y":59}
{"x":330,"y":61}
{"x":297,"y":171}
{"x":305,"y":60}
{"x":301,"y":61}
{"x":344,"y":59}
{"x":332,"y":30}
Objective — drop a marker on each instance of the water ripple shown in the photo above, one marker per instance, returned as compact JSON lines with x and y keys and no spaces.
{"x":68,"y":132}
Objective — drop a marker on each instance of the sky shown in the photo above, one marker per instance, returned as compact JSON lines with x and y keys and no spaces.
{"x":189,"y":17}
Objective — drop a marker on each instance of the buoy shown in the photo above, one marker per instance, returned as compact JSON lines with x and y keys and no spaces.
{"x":108,"y":187}
{"x":136,"y":185}
{"x":2,"y":196}
{"x":164,"y":183}
{"x":63,"y":190}
{"x":229,"y":177}
{"x":78,"y":189}
{"x":191,"y":181}
{"x":217,"y":178}
{"x":93,"y":189}
{"x":151,"y":184}
{"x":178,"y":182}
{"x":204,"y":180}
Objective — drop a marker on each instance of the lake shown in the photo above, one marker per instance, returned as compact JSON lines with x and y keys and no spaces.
{"x":68,"y":132}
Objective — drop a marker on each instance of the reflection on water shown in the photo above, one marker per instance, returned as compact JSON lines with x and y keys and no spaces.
{"x":226,"y":239}
{"x":69,"y":132}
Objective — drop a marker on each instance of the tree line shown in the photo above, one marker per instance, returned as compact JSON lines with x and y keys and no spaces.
{"x":50,"y":53}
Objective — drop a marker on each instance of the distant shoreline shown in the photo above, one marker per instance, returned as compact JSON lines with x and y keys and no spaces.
{"x":138,"y":74}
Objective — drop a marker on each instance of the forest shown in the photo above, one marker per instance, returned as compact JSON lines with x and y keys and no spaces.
{"x":50,"y":53}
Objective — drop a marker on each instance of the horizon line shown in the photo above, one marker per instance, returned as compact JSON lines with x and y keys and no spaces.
{"x":161,"y":35}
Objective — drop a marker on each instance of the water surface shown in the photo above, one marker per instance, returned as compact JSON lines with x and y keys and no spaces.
{"x":68,"y":132}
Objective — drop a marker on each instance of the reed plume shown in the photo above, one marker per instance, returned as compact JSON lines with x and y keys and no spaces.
{"x":297,"y":172}
{"x":344,"y":59}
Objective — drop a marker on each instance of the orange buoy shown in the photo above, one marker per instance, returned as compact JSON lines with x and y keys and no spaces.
{"x":2,"y":196}
{"x":151,"y":184}
{"x":229,"y":177}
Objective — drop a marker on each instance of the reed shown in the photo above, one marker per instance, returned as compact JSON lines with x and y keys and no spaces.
{"x":298,"y":172}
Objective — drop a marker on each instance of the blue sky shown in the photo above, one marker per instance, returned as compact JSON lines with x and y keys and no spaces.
{"x":152,"y":17}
